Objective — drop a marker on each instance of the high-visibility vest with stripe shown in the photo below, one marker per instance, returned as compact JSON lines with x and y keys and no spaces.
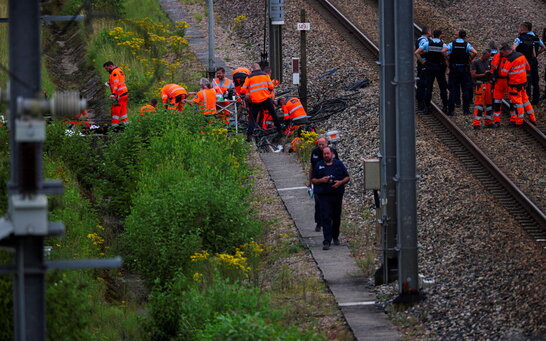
{"x":170,"y":91}
{"x":497,"y":64}
{"x":515,"y":68}
{"x":258,"y":85}
{"x":293,"y":109}
{"x":117,"y":82}
{"x":147,"y":108}
{"x":206,"y":98}
{"x":224,"y":84}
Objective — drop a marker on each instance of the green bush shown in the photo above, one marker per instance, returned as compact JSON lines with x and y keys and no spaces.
{"x":250,"y":327}
{"x":179,"y":310}
{"x":190,"y":196}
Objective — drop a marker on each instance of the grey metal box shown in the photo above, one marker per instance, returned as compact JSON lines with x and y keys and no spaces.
{"x":372,"y":174}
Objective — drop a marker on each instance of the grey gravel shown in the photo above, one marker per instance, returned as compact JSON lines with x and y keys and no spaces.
{"x":489,"y":280}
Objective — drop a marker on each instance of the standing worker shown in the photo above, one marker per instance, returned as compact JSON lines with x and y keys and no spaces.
{"x":222,"y":84}
{"x":316,"y":156}
{"x":174,"y":95}
{"x":205,"y":98}
{"x":434,"y":67}
{"x":500,"y":89}
{"x":516,"y":69}
{"x":460,"y":54}
{"x":150,"y":107}
{"x":258,"y":85}
{"x":421,"y":83}
{"x":239,"y":76}
{"x":528,"y":44}
{"x":482,"y":84}
{"x":119,"y":93}
{"x":329,"y":178}
{"x":225,"y":88}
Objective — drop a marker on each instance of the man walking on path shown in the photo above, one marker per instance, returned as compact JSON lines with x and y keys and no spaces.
{"x":316,"y":156}
{"x":329,"y":178}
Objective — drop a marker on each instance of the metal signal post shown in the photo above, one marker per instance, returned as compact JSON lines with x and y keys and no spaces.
{"x":24,"y":228}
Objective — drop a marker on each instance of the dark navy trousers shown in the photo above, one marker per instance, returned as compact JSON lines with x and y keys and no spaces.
{"x":330,"y":209}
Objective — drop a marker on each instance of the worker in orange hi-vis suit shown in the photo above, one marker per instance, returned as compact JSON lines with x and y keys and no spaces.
{"x":516,"y":69}
{"x":500,"y":88}
{"x":480,"y":72}
{"x":239,"y":76}
{"x":294,"y":112}
{"x":173,"y":96}
{"x":258,"y":86}
{"x":205,"y":98}
{"x":226,"y":89}
{"x":120,"y":94}
{"x":150,"y":107}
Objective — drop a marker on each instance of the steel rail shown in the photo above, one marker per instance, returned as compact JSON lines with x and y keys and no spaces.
{"x":537,"y":215}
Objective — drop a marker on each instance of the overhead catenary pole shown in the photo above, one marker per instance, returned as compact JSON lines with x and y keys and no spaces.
{"x":24,"y":67}
{"x":303,"y":62}
{"x":276,"y":20}
{"x":388,"y":143}
{"x":212,"y":65}
{"x":405,"y":152}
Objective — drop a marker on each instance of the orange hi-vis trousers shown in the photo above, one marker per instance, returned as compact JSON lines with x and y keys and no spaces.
{"x":482,"y":103}
{"x":119,"y":111}
{"x":501,"y":89}
{"x":520,"y":100}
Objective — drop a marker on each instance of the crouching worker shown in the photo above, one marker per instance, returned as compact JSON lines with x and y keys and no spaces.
{"x":173,"y":96}
{"x":204,"y":98}
{"x":150,"y":107}
{"x":329,"y":178}
{"x":294,"y":114}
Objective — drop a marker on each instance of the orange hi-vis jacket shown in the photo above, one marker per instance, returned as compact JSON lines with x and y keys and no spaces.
{"x":147,"y":108}
{"x":497,"y":64}
{"x":206,"y":98}
{"x":117,"y":82}
{"x":238,"y":78}
{"x":515,"y":68}
{"x":293,"y":109}
{"x":170,"y":91}
{"x":240,"y":69}
{"x":224,"y":85}
{"x":258,"y":85}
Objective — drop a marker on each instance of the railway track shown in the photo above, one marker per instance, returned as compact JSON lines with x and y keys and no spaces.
{"x":528,"y":215}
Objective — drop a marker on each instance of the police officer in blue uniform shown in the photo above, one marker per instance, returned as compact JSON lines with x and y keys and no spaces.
{"x":460,"y":54}
{"x":530,"y":46}
{"x":421,"y":83}
{"x":316,"y":156}
{"x":434,"y":67}
{"x":329,"y":178}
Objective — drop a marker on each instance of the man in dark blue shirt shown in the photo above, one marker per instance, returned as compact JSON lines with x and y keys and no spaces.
{"x":329,"y":177}
{"x":316,"y":156}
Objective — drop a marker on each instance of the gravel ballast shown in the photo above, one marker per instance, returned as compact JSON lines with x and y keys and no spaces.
{"x":488,"y":275}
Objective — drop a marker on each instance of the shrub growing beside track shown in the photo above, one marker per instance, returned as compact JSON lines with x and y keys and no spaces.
{"x":190,"y":194}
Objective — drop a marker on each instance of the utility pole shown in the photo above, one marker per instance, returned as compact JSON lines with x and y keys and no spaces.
{"x":405,"y":154}
{"x":276,"y":20}
{"x":212,"y":57}
{"x":387,"y":126}
{"x":303,"y":66}
{"x":24,"y":228}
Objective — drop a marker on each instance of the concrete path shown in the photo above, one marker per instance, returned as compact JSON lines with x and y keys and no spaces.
{"x":195,"y":34}
{"x":342,"y":275}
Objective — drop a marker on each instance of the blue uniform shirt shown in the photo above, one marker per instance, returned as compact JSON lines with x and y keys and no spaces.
{"x":424,"y":44}
{"x":459,"y":40}
{"x":336,"y":169}
{"x":517,"y":41}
